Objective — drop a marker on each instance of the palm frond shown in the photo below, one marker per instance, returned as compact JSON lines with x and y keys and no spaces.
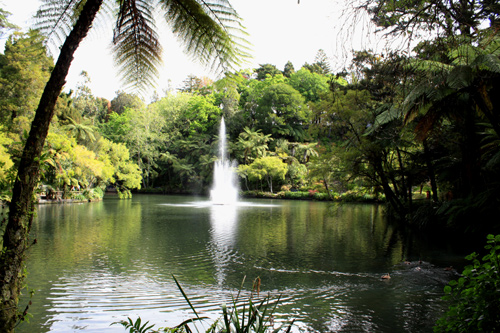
{"x":209,"y":30}
{"x":55,"y":19}
{"x":137,"y":50}
{"x":460,"y":77}
{"x":464,"y":54}
{"x":427,"y":66}
{"x":487,"y":62}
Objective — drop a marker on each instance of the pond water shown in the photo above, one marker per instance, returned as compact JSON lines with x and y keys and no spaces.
{"x":98,"y":263}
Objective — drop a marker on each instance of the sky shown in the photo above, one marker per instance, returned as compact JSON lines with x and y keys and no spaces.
{"x":279,"y":31}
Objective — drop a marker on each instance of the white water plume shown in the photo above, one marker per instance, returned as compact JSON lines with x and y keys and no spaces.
{"x":224,"y":188}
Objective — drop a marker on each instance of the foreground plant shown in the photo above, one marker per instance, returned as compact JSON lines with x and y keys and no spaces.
{"x":475,"y":295}
{"x":249,"y":318}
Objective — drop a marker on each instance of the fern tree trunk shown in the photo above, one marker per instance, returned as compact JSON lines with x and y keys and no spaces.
{"x":15,"y":238}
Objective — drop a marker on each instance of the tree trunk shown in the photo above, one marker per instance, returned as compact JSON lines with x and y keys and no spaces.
{"x":430,"y":170}
{"x":404,"y":190}
{"x":472,"y":182}
{"x":390,"y":196}
{"x":15,"y":238}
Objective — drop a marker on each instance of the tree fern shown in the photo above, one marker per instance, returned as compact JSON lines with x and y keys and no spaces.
{"x":137,"y":50}
{"x":210,"y":31}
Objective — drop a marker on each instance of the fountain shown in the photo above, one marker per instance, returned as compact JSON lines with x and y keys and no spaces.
{"x":224,"y":189}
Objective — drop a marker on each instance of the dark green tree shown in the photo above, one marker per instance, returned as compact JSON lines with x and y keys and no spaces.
{"x":282,"y":112}
{"x":125,"y":100}
{"x":289,"y":69}
{"x":24,"y":70}
{"x":266,"y":69}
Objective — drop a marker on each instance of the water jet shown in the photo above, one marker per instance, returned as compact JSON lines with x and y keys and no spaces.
{"x":224,"y":189}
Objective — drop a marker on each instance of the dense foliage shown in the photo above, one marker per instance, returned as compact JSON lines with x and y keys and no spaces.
{"x":475,"y":295}
{"x":370,"y":136}
{"x":419,"y":130}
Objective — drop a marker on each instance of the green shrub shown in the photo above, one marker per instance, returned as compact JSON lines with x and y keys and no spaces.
{"x":93,"y":194}
{"x":321,"y":196}
{"x":79,"y":197}
{"x":297,"y":195}
{"x":98,"y":193}
{"x":475,"y":296}
{"x":124,"y":194}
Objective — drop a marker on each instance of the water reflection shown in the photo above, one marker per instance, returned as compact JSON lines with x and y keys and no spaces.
{"x":98,"y":263}
{"x":224,"y":223}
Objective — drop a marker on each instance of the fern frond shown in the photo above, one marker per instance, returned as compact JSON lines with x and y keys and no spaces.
{"x":137,"y":50}
{"x":417,"y":102}
{"x":464,"y":54}
{"x":387,"y":116}
{"x":427,"y":66}
{"x":460,"y":77}
{"x":487,"y":62}
{"x":55,"y":19}
{"x":209,"y":30}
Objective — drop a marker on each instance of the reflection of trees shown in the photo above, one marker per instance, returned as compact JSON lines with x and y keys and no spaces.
{"x":313,"y":236}
{"x":79,"y":231}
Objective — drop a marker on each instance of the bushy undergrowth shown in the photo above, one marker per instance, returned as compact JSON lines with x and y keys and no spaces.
{"x":124,"y":194}
{"x":349,"y":196}
{"x":78,"y":197}
{"x":475,"y":296}
{"x":88,"y":195}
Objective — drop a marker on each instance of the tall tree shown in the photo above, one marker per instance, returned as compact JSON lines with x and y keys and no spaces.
{"x":282,"y":111}
{"x":266,"y":69}
{"x":289,"y":69}
{"x":125,"y":100}
{"x":208,"y":31}
{"x":24,"y":69}
{"x":88,"y":105}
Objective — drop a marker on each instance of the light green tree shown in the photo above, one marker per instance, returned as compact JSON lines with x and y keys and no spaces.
{"x":268,"y":168}
{"x":310,"y":85}
{"x":5,"y":160}
{"x":118,"y":169}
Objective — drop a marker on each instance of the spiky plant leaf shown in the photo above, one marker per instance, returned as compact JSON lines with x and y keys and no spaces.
{"x":137,"y":49}
{"x":211,"y":30}
{"x":460,"y":77}
{"x":55,"y":18}
{"x":427,"y":66}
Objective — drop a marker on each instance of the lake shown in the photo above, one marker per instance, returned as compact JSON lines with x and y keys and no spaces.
{"x":101,"y":262}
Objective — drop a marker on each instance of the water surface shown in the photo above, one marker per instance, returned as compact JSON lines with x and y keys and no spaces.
{"x":98,"y":263}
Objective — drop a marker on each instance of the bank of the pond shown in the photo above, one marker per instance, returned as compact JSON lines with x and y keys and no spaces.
{"x":65,"y":201}
{"x":349,"y":196}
